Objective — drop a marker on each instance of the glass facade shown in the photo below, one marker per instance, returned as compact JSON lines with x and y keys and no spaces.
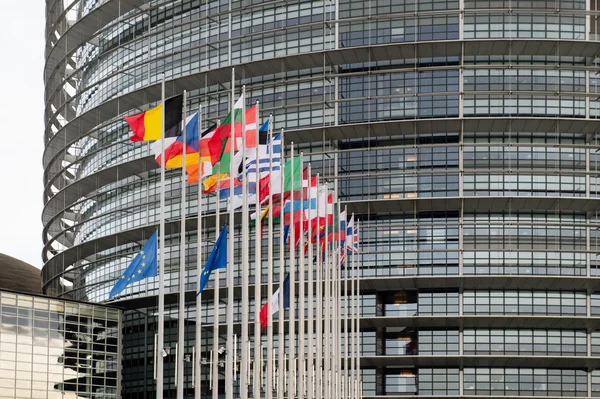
{"x":463,"y":134}
{"x":53,"y":348}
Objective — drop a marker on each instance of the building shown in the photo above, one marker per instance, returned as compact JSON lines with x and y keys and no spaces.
{"x":54,"y":348}
{"x":464,"y":133}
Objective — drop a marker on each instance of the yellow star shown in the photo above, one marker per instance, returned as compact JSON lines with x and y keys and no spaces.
{"x":140,"y":271}
{"x":128,"y":279}
{"x":142,"y":252}
{"x":123,"y":277}
{"x":143,"y":264}
{"x":144,"y":257}
{"x":133,"y":276}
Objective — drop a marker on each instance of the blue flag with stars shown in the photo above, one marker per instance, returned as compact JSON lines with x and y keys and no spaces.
{"x":143,"y":265}
{"x":216,"y":260}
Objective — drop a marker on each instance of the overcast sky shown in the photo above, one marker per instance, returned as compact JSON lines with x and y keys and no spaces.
{"x":22,"y":133}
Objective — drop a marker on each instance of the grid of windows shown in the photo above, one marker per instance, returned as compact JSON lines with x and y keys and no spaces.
{"x":399,"y":30}
{"x":524,"y":80}
{"x":525,"y":25}
{"x":525,"y":382}
{"x":438,"y":342}
{"x":525,"y":342}
{"x":50,"y":346}
{"x":438,"y":381}
{"x":524,"y":105}
{"x":525,"y":302}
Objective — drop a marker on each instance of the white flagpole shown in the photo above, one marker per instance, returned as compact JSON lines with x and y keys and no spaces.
{"x":244,"y":360}
{"x":217,"y":303}
{"x":319,"y":320}
{"x":353,"y":373}
{"x":301,"y":294}
{"x":257,"y":272}
{"x":292,"y":314}
{"x":332,"y":266}
{"x":338,"y":296}
{"x":198,"y":352}
{"x":359,"y":376}
{"x":346,"y":312}
{"x":269,"y":384}
{"x":230,"y":254}
{"x":327,"y":298}
{"x":310,"y":267}
{"x":161,"y":267}
{"x":281,"y":331}
{"x":181,"y":321}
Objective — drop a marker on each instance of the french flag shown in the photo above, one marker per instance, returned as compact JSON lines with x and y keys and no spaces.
{"x":269,"y":310}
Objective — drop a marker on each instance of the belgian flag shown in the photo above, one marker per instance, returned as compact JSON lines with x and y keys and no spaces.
{"x":147,"y":126}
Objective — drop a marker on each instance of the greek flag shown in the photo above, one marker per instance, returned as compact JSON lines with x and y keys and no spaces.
{"x":260,"y":160}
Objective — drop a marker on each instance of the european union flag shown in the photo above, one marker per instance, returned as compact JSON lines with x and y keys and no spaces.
{"x":143,"y":265}
{"x":216,"y":260}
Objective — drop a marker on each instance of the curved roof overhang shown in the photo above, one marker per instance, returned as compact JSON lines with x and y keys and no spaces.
{"x":82,"y":124}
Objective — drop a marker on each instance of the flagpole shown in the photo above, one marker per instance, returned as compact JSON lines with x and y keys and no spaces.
{"x":281,"y":331}
{"x":257,"y":272}
{"x":310,"y":268}
{"x":230,"y":254}
{"x":198,"y":352}
{"x":319,"y":320}
{"x":181,"y":321}
{"x":327,"y":298}
{"x":353,"y":321}
{"x":346,"y":311}
{"x":217,"y":301}
{"x":337,"y":329}
{"x":359,"y":377}
{"x":336,"y":309}
{"x":161,"y":274}
{"x":292,"y":314}
{"x":244,"y":361}
{"x":301,"y":373}
{"x":269,"y":385}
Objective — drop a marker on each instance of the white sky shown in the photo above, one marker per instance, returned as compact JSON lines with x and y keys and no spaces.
{"x":22,"y":134}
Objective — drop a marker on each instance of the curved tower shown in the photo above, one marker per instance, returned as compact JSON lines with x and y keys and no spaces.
{"x":463,"y":134}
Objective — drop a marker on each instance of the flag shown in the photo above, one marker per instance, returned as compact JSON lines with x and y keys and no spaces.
{"x":143,"y":265}
{"x":258,"y":163}
{"x":204,"y":161}
{"x":219,"y":144}
{"x":342,"y":228}
{"x":273,"y":180}
{"x":174,"y":146}
{"x":147,"y":126}
{"x":267,"y":310}
{"x":216,"y":260}
{"x":223,"y":163}
{"x":210,"y":185}
{"x":261,"y":160}
{"x":351,"y":237}
{"x":342,"y":236}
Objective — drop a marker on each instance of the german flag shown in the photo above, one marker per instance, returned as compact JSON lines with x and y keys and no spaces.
{"x":147,"y":126}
